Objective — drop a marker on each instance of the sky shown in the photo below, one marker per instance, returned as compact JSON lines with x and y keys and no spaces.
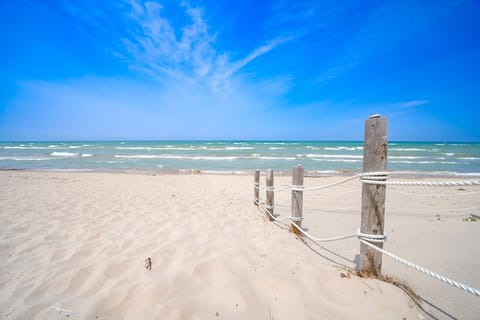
{"x":238,"y":70}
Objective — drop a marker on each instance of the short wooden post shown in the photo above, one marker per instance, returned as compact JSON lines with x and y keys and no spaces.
{"x":373,"y":195}
{"x":256,"y":187}
{"x":270,"y":193}
{"x":297,"y":198}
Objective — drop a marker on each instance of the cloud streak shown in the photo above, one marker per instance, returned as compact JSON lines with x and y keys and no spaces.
{"x":186,"y":52}
{"x":411,"y":104}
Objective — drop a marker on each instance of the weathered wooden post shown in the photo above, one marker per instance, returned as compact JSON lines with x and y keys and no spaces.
{"x":373,"y":195}
{"x":270,"y":193}
{"x":256,"y":187}
{"x":297,"y":198}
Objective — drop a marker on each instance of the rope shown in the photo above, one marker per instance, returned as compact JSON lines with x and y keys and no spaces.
{"x":426,"y":271}
{"x":296,"y":219}
{"x":358,"y":234}
{"x":422,"y":183}
{"x":378,"y":175}
{"x":302,"y":188}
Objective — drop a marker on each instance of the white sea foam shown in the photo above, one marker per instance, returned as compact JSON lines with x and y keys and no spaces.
{"x":276,"y":158}
{"x":276,"y":148}
{"x":469,"y":158}
{"x":19,"y":158}
{"x":336,"y":160}
{"x":64,"y":154}
{"x":86,"y":155}
{"x":449,"y":154}
{"x":339,"y":156}
{"x":157,"y":148}
{"x":340,"y":148}
{"x":407,"y":149}
{"x":26,"y":148}
{"x":405,"y":157}
{"x":168,"y":156}
{"x":239,"y":148}
{"x":425,"y":162}
{"x":74,"y":147}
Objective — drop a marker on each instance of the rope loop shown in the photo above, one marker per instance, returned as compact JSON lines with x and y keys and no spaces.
{"x":297,"y":188}
{"x":379,"y":238}
{"x":295,"y":219}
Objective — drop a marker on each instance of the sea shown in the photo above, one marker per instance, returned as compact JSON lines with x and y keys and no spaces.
{"x":237,"y":157}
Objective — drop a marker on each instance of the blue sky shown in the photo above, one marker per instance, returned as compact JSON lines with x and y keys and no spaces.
{"x":82,"y":70}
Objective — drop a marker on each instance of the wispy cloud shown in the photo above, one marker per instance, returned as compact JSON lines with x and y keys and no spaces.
{"x":161,"y":49}
{"x":411,"y":104}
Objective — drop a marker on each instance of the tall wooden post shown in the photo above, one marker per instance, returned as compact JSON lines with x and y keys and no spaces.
{"x":373,"y":196}
{"x":256,"y":187}
{"x":297,"y":198}
{"x":270,"y":193}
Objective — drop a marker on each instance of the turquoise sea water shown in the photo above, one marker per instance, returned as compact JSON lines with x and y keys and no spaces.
{"x":322,"y":157}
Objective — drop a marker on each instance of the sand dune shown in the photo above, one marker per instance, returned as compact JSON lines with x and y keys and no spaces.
{"x":73,"y":246}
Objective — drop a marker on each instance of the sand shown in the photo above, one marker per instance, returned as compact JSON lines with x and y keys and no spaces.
{"x":73,"y":245}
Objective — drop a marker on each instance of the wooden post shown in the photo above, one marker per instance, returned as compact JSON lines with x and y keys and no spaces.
{"x":373,"y":195}
{"x":269,"y":183}
{"x":297,"y":198}
{"x":256,"y":187}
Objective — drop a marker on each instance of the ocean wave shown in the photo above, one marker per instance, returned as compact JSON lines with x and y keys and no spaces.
{"x":167,"y":156}
{"x":468,"y":158}
{"x":29,"y":148}
{"x":64,"y":154}
{"x":407,"y":149}
{"x":340,"y":156}
{"x":426,"y":162}
{"x":19,"y":158}
{"x":336,"y":160}
{"x":86,"y":155}
{"x":208,"y":158}
{"x":340,"y":148}
{"x":405,"y":157}
{"x":276,"y":148}
{"x":275,"y":158}
{"x":238,"y":148}
{"x":158,"y":148}
{"x":174,"y":148}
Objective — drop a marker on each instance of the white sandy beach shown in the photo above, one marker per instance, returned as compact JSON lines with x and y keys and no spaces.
{"x":73,"y":246}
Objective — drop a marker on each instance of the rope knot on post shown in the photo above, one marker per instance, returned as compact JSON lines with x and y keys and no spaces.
{"x":374,"y":177}
{"x":372,"y":237}
{"x":295,"y":219}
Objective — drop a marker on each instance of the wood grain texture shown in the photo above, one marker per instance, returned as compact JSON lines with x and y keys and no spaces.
{"x":373,"y":196}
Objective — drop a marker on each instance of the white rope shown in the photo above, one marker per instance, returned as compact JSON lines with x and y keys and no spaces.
{"x":371,"y":237}
{"x":302,"y":188}
{"x":422,"y":183}
{"x":358,"y":234}
{"x":378,"y":175}
{"x":296,"y":219}
{"x":426,"y":271}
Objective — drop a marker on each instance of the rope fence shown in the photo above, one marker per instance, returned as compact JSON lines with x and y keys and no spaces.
{"x":365,"y":238}
{"x":374,"y":180}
